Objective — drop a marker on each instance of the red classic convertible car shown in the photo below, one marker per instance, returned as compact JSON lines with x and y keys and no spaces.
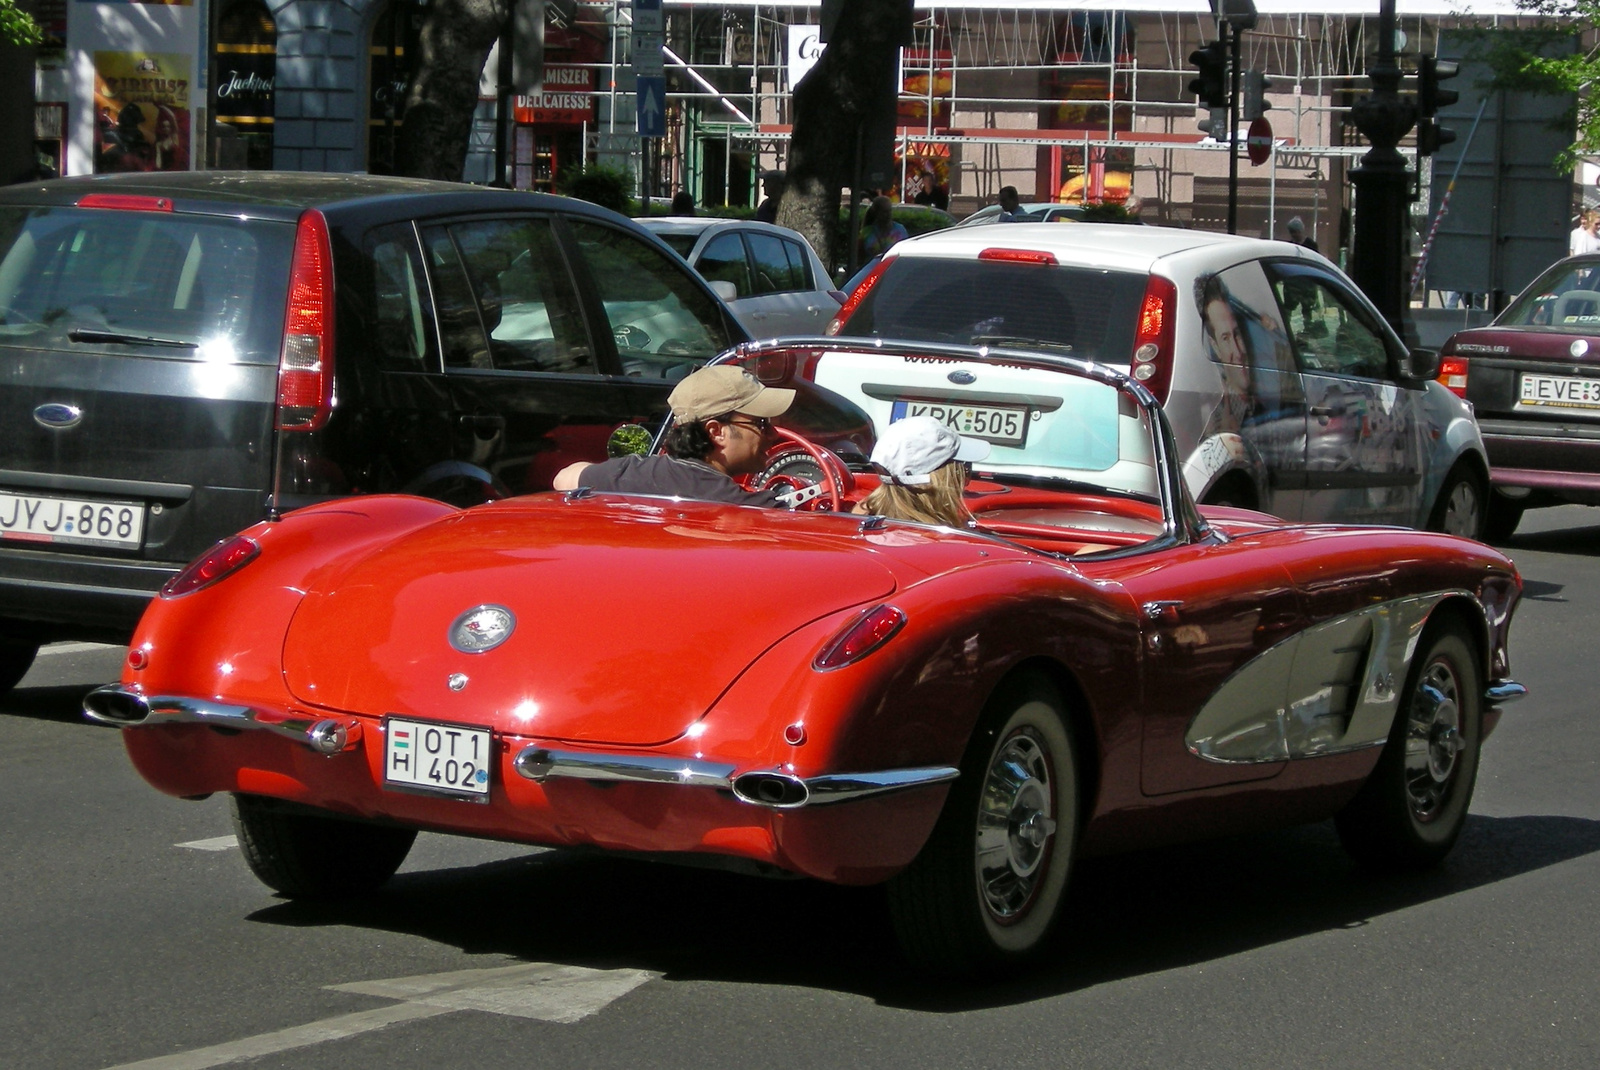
{"x":1094,"y":666}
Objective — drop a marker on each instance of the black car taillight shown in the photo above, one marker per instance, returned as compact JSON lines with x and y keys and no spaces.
{"x":1453,"y":375}
{"x":1153,"y":341}
{"x":216,"y":564}
{"x":305,"y":364}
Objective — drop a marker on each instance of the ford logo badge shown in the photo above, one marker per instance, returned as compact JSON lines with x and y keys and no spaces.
{"x":962,"y":378}
{"x":57,"y":417}
{"x":482,"y":628}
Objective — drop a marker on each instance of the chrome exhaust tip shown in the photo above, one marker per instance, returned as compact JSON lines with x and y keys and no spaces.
{"x":780,"y":791}
{"x":116,"y":705}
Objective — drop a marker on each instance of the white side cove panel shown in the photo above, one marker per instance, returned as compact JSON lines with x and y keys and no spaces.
{"x":1331,"y":689}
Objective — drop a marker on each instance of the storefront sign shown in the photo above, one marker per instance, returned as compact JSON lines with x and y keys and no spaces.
{"x":565,"y":98}
{"x":805,"y":48}
{"x":245,"y":77}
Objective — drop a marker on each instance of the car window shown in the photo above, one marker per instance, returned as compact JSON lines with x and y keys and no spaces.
{"x":664,"y":322}
{"x":1328,"y":336}
{"x":1566,"y":296}
{"x":525,"y":296}
{"x":460,"y":327}
{"x":1084,"y":312}
{"x":401,"y":315}
{"x":219,"y":284}
{"x":799,"y":265}
{"x":682,"y":244}
{"x":724,"y":261}
{"x":773,"y":274}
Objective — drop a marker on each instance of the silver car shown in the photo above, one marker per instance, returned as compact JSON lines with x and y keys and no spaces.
{"x":769,"y":276}
{"x":1286,"y":390}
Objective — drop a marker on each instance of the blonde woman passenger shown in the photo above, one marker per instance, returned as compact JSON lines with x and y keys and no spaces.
{"x":925,"y":473}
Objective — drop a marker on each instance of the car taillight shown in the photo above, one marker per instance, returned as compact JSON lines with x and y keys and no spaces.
{"x":1453,"y":374}
{"x":1019,"y":256}
{"x":866,"y":633}
{"x":857,"y":295}
{"x":217,"y":563}
{"x":1153,"y":341}
{"x":125,"y":202}
{"x":305,"y":366}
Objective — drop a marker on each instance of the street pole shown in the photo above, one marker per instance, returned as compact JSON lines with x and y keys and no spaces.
{"x":502,"y":113}
{"x":1381,"y":183}
{"x":1233,"y":131}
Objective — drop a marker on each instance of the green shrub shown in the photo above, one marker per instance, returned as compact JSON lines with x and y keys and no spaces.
{"x":609,"y":187}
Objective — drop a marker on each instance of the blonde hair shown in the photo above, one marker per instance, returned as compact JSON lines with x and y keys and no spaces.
{"x":938,"y":502}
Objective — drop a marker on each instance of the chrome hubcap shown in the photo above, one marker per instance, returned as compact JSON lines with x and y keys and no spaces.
{"x":1433,"y":740}
{"x":1016,"y":827}
{"x":1461,"y":511}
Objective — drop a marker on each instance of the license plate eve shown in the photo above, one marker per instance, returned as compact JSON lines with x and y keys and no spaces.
{"x":1003,"y":427}
{"x":1559,"y":390}
{"x":71,"y":521}
{"x":444,"y":758}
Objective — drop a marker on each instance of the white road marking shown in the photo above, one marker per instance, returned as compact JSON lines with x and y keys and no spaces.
{"x":539,"y":990}
{"x":216,"y":843}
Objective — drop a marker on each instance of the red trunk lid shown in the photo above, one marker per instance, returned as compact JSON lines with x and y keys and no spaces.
{"x":631,"y":617}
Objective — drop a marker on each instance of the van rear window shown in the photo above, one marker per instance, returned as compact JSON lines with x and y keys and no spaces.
{"x":1082,"y":312}
{"x":71,"y":276}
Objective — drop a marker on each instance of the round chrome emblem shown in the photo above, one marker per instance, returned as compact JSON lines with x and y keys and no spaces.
{"x":457,"y":681}
{"x":1579,"y":348}
{"x":961,"y":377}
{"x":482,"y":628}
{"x":57,"y":417}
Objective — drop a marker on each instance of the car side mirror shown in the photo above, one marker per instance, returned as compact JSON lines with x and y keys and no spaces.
{"x":724,"y":289}
{"x":1420,"y":364}
{"x":629,"y":438}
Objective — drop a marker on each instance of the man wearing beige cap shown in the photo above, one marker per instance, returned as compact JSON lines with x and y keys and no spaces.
{"x":720,"y":430}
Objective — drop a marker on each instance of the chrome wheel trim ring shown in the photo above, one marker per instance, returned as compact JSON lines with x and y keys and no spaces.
{"x":1016,"y":827}
{"x":1433,"y":740}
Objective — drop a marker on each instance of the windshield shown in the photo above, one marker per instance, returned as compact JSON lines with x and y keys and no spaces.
{"x":1568,"y":295}
{"x":1045,"y":427}
{"x":73,"y":276}
{"x":1085,"y":313}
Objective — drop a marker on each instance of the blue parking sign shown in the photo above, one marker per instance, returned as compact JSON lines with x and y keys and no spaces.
{"x":652,"y":106}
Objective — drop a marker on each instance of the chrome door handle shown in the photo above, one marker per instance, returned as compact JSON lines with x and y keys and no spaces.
{"x":1165,"y":609}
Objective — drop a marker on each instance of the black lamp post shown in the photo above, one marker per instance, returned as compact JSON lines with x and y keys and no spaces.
{"x":1378,"y":246}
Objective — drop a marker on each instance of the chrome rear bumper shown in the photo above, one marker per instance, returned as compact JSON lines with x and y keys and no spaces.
{"x":126,"y":707}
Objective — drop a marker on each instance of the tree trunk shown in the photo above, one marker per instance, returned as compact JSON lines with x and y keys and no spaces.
{"x":454,"y":43}
{"x":853,"y":79}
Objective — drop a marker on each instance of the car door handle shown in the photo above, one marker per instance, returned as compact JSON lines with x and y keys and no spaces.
{"x":1323,"y":411}
{"x":482,"y":424}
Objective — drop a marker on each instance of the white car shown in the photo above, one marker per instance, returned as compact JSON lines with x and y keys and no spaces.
{"x":1035,"y":211}
{"x":1286,"y":390}
{"x":770,"y":277}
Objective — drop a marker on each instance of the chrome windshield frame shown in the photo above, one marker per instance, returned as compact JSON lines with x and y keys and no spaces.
{"x":1181,"y":521}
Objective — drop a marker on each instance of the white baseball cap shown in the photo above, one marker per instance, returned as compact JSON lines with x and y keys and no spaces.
{"x":910,"y":450}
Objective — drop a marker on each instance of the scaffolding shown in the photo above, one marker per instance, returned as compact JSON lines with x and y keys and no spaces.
{"x":1008,"y":93}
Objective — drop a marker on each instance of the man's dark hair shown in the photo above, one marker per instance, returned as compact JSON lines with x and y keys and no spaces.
{"x":683,"y":203}
{"x":689,"y":442}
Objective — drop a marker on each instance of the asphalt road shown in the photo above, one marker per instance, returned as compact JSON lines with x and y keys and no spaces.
{"x":132,"y":933}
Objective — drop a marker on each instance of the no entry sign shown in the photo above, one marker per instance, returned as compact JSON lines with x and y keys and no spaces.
{"x":1258,"y":143}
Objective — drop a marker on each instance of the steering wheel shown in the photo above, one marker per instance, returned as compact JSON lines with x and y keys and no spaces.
{"x":836,"y":479}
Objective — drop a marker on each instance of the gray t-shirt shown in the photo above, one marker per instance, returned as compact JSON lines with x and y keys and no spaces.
{"x":673,"y":478}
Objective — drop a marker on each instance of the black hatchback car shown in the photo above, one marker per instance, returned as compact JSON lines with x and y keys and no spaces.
{"x":183,"y":354}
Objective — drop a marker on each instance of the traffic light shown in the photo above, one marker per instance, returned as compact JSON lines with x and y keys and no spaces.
{"x":1430,"y":98}
{"x":1253,"y":87}
{"x":1215,"y":124}
{"x":1212,"y":84}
